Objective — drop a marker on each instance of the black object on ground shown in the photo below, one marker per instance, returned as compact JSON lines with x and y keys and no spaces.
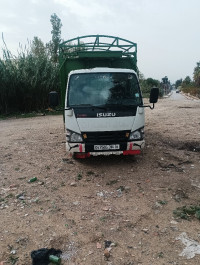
{"x":107,"y":243}
{"x":41,"y":256}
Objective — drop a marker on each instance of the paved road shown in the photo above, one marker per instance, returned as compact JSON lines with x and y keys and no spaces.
{"x":182,"y":97}
{"x":177,"y":96}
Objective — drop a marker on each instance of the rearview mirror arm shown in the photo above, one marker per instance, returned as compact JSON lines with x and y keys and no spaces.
{"x":62,"y":109}
{"x":147,"y":106}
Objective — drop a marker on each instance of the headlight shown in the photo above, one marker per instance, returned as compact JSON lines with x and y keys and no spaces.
{"x":137,"y":135}
{"x":74,"y":137}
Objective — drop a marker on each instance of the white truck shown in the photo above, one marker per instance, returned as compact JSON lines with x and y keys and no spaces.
{"x":101,"y":96}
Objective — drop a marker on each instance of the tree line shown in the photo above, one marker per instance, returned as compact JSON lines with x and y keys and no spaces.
{"x":27,"y":78}
{"x":147,"y":83}
{"x":189,"y":85}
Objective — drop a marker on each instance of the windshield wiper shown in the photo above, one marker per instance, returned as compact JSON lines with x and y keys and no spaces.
{"x":90,"y":106}
{"x":121,"y":105}
{"x":129,"y":106}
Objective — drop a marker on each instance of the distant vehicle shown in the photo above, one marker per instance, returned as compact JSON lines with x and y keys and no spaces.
{"x":177,"y":90}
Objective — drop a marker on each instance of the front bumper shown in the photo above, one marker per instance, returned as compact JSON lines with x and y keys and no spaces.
{"x":125,"y":148}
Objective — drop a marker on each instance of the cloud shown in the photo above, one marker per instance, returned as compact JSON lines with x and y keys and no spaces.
{"x":33,"y":21}
{"x":87,"y":9}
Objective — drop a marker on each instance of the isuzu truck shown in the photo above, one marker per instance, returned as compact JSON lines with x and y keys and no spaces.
{"x":101,"y":96}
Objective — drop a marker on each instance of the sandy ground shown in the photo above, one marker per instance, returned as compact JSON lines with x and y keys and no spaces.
{"x":77,"y":205}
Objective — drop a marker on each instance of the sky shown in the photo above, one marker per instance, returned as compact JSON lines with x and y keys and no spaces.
{"x":167,"y":32}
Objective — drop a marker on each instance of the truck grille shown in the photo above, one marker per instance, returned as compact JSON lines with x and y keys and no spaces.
{"x":106,"y":137}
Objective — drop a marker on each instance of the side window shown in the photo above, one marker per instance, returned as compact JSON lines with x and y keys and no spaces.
{"x":135,"y":90}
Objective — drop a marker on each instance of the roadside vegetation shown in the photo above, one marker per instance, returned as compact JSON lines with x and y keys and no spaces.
{"x":28,"y":77}
{"x":190,"y":86}
{"x":147,"y":84}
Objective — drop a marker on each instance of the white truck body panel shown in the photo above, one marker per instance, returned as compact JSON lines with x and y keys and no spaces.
{"x":105,"y":124}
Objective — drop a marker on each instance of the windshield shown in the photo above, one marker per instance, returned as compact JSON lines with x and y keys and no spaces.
{"x":96,"y":89}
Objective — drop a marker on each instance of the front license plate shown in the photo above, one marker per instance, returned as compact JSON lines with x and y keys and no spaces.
{"x":107,"y":147}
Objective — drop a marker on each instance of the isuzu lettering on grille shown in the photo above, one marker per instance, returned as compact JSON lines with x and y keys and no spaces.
{"x":109,"y":114}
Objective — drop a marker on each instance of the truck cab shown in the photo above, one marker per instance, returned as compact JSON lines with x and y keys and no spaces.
{"x":102,"y":112}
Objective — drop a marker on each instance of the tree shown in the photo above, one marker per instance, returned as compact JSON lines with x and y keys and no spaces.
{"x":147,"y":84}
{"x":166,"y":86}
{"x":196,"y":75}
{"x":187,"y":81}
{"x":141,"y":76}
{"x":56,"y":37}
{"x":178,"y":82}
{"x":152,"y":82}
{"x":37,"y":47}
{"x":165,"y":80}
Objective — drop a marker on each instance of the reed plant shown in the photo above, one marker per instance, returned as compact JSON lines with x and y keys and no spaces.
{"x":26,"y":80}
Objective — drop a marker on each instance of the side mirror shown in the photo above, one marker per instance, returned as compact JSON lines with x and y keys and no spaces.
{"x":154,"y":95}
{"x":53,"y":99}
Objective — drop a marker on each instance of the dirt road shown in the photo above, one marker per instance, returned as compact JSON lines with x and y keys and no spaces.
{"x":77,"y":205}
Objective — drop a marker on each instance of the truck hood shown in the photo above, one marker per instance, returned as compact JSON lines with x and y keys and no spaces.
{"x":105,"y":124}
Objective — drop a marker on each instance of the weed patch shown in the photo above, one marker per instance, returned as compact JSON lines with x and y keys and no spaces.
{"x":187,"y":212}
